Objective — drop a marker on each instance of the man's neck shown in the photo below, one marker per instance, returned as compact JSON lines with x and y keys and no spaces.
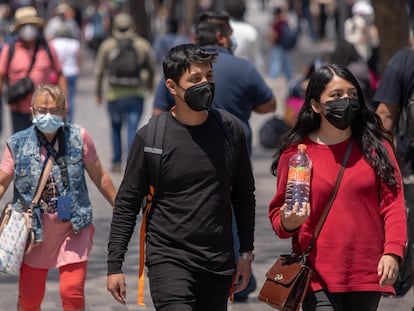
{"x":187,"y":116}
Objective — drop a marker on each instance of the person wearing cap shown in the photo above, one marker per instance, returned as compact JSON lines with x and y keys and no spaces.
{"x":29,"y":46}
{"x":124,"y":100}
{"x":360,"y":30}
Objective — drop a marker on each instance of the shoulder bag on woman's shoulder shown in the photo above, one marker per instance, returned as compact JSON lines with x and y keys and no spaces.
{"x":22,"y":87}
{"x":287,"y":281}
{"x":16,"y":234}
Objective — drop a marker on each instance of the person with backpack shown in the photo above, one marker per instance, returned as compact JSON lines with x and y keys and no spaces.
{"x":283,"y":37}
{"x":240,"y":89}
{"x":127,"y":61}
{"x":26,"y":63}
{"x":204,"y":173}
{"x":394,"y":100}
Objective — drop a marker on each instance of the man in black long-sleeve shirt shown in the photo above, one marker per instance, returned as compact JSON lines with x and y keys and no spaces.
{"x":190,"y":255}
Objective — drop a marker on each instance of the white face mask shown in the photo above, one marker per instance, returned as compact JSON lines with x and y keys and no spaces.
{"x":28,"y":32}
{"x":48,"y":123}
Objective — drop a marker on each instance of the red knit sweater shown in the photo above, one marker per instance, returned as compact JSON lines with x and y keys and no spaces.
{"x":366,"y":219}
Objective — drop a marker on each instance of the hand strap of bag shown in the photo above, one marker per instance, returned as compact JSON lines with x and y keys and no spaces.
{"x":330,"y":201}
{"x":29,"y":213}
{"x":60,"y":157}
{"x":42,"y":181}
{"x":33,"y":59}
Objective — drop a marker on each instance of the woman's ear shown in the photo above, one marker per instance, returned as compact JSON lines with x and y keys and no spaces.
{"x":316,"y":107}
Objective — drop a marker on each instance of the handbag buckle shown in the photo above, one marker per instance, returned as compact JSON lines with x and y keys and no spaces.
{"x":279,"y":277}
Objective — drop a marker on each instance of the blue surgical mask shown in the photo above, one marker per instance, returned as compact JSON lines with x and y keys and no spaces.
{"x":48,"y":123}
{"x":233,"y":43}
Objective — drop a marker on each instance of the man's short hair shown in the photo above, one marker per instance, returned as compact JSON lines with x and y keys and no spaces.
{"x":209,"y":24}
{"x":180,"y":58}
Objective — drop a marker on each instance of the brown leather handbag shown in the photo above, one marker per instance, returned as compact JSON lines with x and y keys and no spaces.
{"x":287,"y":281}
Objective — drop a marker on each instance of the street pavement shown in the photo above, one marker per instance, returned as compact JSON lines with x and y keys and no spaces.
{"x":267,"y":246}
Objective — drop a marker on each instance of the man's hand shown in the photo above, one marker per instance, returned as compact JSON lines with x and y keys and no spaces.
{"x":243,"y":272}
{"x":115,"y":284}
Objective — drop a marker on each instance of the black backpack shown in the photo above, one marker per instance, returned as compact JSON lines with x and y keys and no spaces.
{"x":271,"y":132}
{"x":154,"y":141}
{"x":124,"y":67}
{"x":288,"y":37}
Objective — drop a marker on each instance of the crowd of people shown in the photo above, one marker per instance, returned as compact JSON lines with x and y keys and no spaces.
{"x":200,"y":228}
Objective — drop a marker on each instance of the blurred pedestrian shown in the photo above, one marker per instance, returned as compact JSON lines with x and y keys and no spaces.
{"x":279,"y":59}
{"x":97,"y":25}
{"x":64,"y":14}
{"x":351,"y":270}
{"x":246,"y":42}
{"x":205,"y":171}
{"x":7,"y":23}
{"x":360,"y":30}
{"x":305,"y":12}
{"x":170,"y":39}
{"x":68,"y":49}
{"x":127,"y":61}
{"x":59,"y":152}
{"x":29,"y":56}
{"x":394,"y":101}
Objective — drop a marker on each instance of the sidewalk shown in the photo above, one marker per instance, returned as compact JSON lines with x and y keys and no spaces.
{"x":267,"y":245}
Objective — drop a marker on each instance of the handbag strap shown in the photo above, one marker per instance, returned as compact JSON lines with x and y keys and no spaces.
{"x":33,"y":59}
{"x":42,"y":181}
{"x":60,"y":157}
{"x":330,"y":201}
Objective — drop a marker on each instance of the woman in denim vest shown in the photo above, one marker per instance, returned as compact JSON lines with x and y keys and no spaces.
{"x":63,"y":236}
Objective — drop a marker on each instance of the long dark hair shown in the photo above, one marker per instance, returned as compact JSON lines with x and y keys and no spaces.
{"x":367,"y":127}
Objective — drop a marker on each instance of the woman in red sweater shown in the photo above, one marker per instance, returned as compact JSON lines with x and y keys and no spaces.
{"x":356,"y":255}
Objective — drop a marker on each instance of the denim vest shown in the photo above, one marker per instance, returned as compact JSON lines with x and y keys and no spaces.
{"x":25,"y":149}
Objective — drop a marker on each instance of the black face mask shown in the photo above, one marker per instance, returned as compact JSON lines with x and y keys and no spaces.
{"x":341,"y":112}
{"x":200,"y":96}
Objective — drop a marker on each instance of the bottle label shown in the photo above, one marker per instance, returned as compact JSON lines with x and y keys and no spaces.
{"x":299,"y":173}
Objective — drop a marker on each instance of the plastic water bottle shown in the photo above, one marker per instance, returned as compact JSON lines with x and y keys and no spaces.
{"x":297,"y":188}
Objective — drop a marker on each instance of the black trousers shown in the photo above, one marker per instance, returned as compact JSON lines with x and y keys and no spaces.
{"x":350,"y":301}
{"x":174,"y":288}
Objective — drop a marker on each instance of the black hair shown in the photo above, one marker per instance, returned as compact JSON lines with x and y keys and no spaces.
{"x":277,"y":10}
{"x":172,"y":25}
{"x":344,"y":53}
{"x":180,"y":58}
{"x":209,"y":24}
{"x":236,"y":9}
{"x":367,"y":127}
